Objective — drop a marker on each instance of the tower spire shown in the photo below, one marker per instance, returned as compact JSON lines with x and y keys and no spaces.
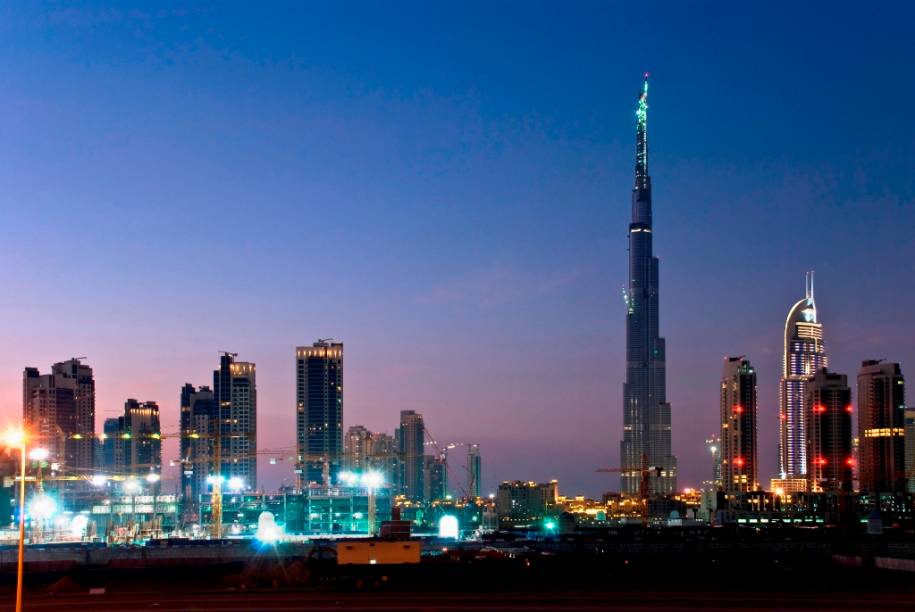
{"x":641,"y":139}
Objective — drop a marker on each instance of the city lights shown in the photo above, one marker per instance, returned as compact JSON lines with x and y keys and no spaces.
{"x":236,"y":484}
{"x":39,"y":454}
{"x":42,"y":507}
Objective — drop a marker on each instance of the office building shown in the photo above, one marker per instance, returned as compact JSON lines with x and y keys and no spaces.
{"x":384,"y":458}
{"x":881,"y":427}
{"x":525,"y":504}
{"x":738,"y":409}
{"x":357,"y":448}
{"x":410,"y":439}
{"x":435,"y":477}
{"x":319,"y":412}
{"x":235,"y":391}
{"x":474,"y":470}
{"x":59,"y":411}
{"x":199,"y":428}
{"x":910,"y":449}
{"x":646,"y":439}
{"x":829,"y":432}
{"x":804,"y":354}
{"x":132,"y":443}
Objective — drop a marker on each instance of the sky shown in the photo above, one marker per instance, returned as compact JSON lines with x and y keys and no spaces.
{"x":444,"y":187}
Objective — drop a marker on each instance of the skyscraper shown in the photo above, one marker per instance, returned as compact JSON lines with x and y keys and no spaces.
{"x":357,"y":448}
{"x":474,"y":470}
{"x":910,"y":449}
{"x":410,"y":439}
{"x":804,"y":354}
{"x":199,"y":426}
{"x":738,"y":426}
{"x":384,"y":458}
{"x":59,"y":409}
{"x":881,"y":427}
{"x":828,"y":404}
{"x":235,"y":391}
{"x":646,"y":439}
{"x":319,"y":412}
{"x":435,"y":476}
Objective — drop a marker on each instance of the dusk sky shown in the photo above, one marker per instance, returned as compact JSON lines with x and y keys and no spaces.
{"x":444,"y":187}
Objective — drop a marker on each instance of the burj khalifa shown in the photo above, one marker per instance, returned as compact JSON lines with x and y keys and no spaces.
{"x":647,"y":466}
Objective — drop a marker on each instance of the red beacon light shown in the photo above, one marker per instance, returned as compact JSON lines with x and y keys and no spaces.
{"x":738,"y":409}
{"x":850,"y":462}
{"x":821,"y":461}
{"x":849,"y":409}
{"x":819,"y":408}
{"x":739,"y":462}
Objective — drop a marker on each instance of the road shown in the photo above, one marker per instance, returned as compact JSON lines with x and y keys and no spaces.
{"x":454,"y":602}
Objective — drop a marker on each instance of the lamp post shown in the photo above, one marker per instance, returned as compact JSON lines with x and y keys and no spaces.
{"x":14,"y":438}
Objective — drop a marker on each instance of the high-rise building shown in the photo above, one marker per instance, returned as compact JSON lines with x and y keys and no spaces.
{"x":435,"y":477}
{"x":59,"y":411}
{"x":410,"y":439}
{"x":235,"y":391}
{"x":646,"y":439}
{"x":385,"y":458}
{"x":524,"y":504}
{"x":357,"y":448}
{"x":112,"y":454}
{"x":199,"y":428}
{"x":474,"y":470}
{"x":143,"y":437}
{"x":738,"y":426}
{"x":829,"y":431}
{"x":881,"y":427}
{"x":319,"y":412}
{"x":910,"y":449}
{"x":804,"y":354}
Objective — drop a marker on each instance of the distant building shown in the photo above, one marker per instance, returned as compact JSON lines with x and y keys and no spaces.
{"x":199,"y":426}
{"x":829,"y":432}
{"x":132,"y":444}
{"x":411,"y":437}
{"x":235,"y":391}
{"x":910,"y":449}
{"x":435,"y":477}
{"x":384,"y":457}
{"x":520,"y":504}
{"x":804,"y":354}
{"x":738,"y":426}
{"x":474,"y":470}
{"x":59,"y":411}
{"x":319,"y":412}
{"x":357,"y":448}
{"x":881,"y":427}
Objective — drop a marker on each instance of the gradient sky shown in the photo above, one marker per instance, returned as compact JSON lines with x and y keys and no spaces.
{"x":446,"y":190}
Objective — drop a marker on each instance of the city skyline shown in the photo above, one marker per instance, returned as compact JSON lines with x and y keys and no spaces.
{"x":502,"y":229}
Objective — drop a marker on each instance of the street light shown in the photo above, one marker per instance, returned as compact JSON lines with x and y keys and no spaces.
{"x":14,"y":438}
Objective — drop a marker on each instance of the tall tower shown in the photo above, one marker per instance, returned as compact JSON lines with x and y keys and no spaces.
{"x":474,"y":470}
{"x":319,"y":412}
{"x":804,"y":354}
{"x":410,"y":439}
{"x":881,"y":426}
{"x":828,"y":406}
{"x":646,"y":414}
{"x":235,"y":391}
{"x":738,"y":426}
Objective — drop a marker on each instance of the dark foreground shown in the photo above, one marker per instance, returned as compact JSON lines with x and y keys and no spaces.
{"x":457,"y":601}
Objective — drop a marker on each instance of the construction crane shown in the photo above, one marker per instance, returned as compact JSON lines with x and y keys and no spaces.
{"x":644,"y":484}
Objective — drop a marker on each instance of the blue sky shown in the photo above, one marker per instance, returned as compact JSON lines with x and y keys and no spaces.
{"x":446,"y":190}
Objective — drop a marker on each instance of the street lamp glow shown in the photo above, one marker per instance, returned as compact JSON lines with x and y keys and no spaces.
{"x":14,"y":437}
{"x":42,"y":507}
{"x":214,"y":478}
{"x":236,"y":483}
{"x":98,"y":480}
{"x":152,"y":478}
{"x":348,"y":478}
{"x":39,"y":454}
{"x":131,"y":485}
{"x":372,"y":479}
